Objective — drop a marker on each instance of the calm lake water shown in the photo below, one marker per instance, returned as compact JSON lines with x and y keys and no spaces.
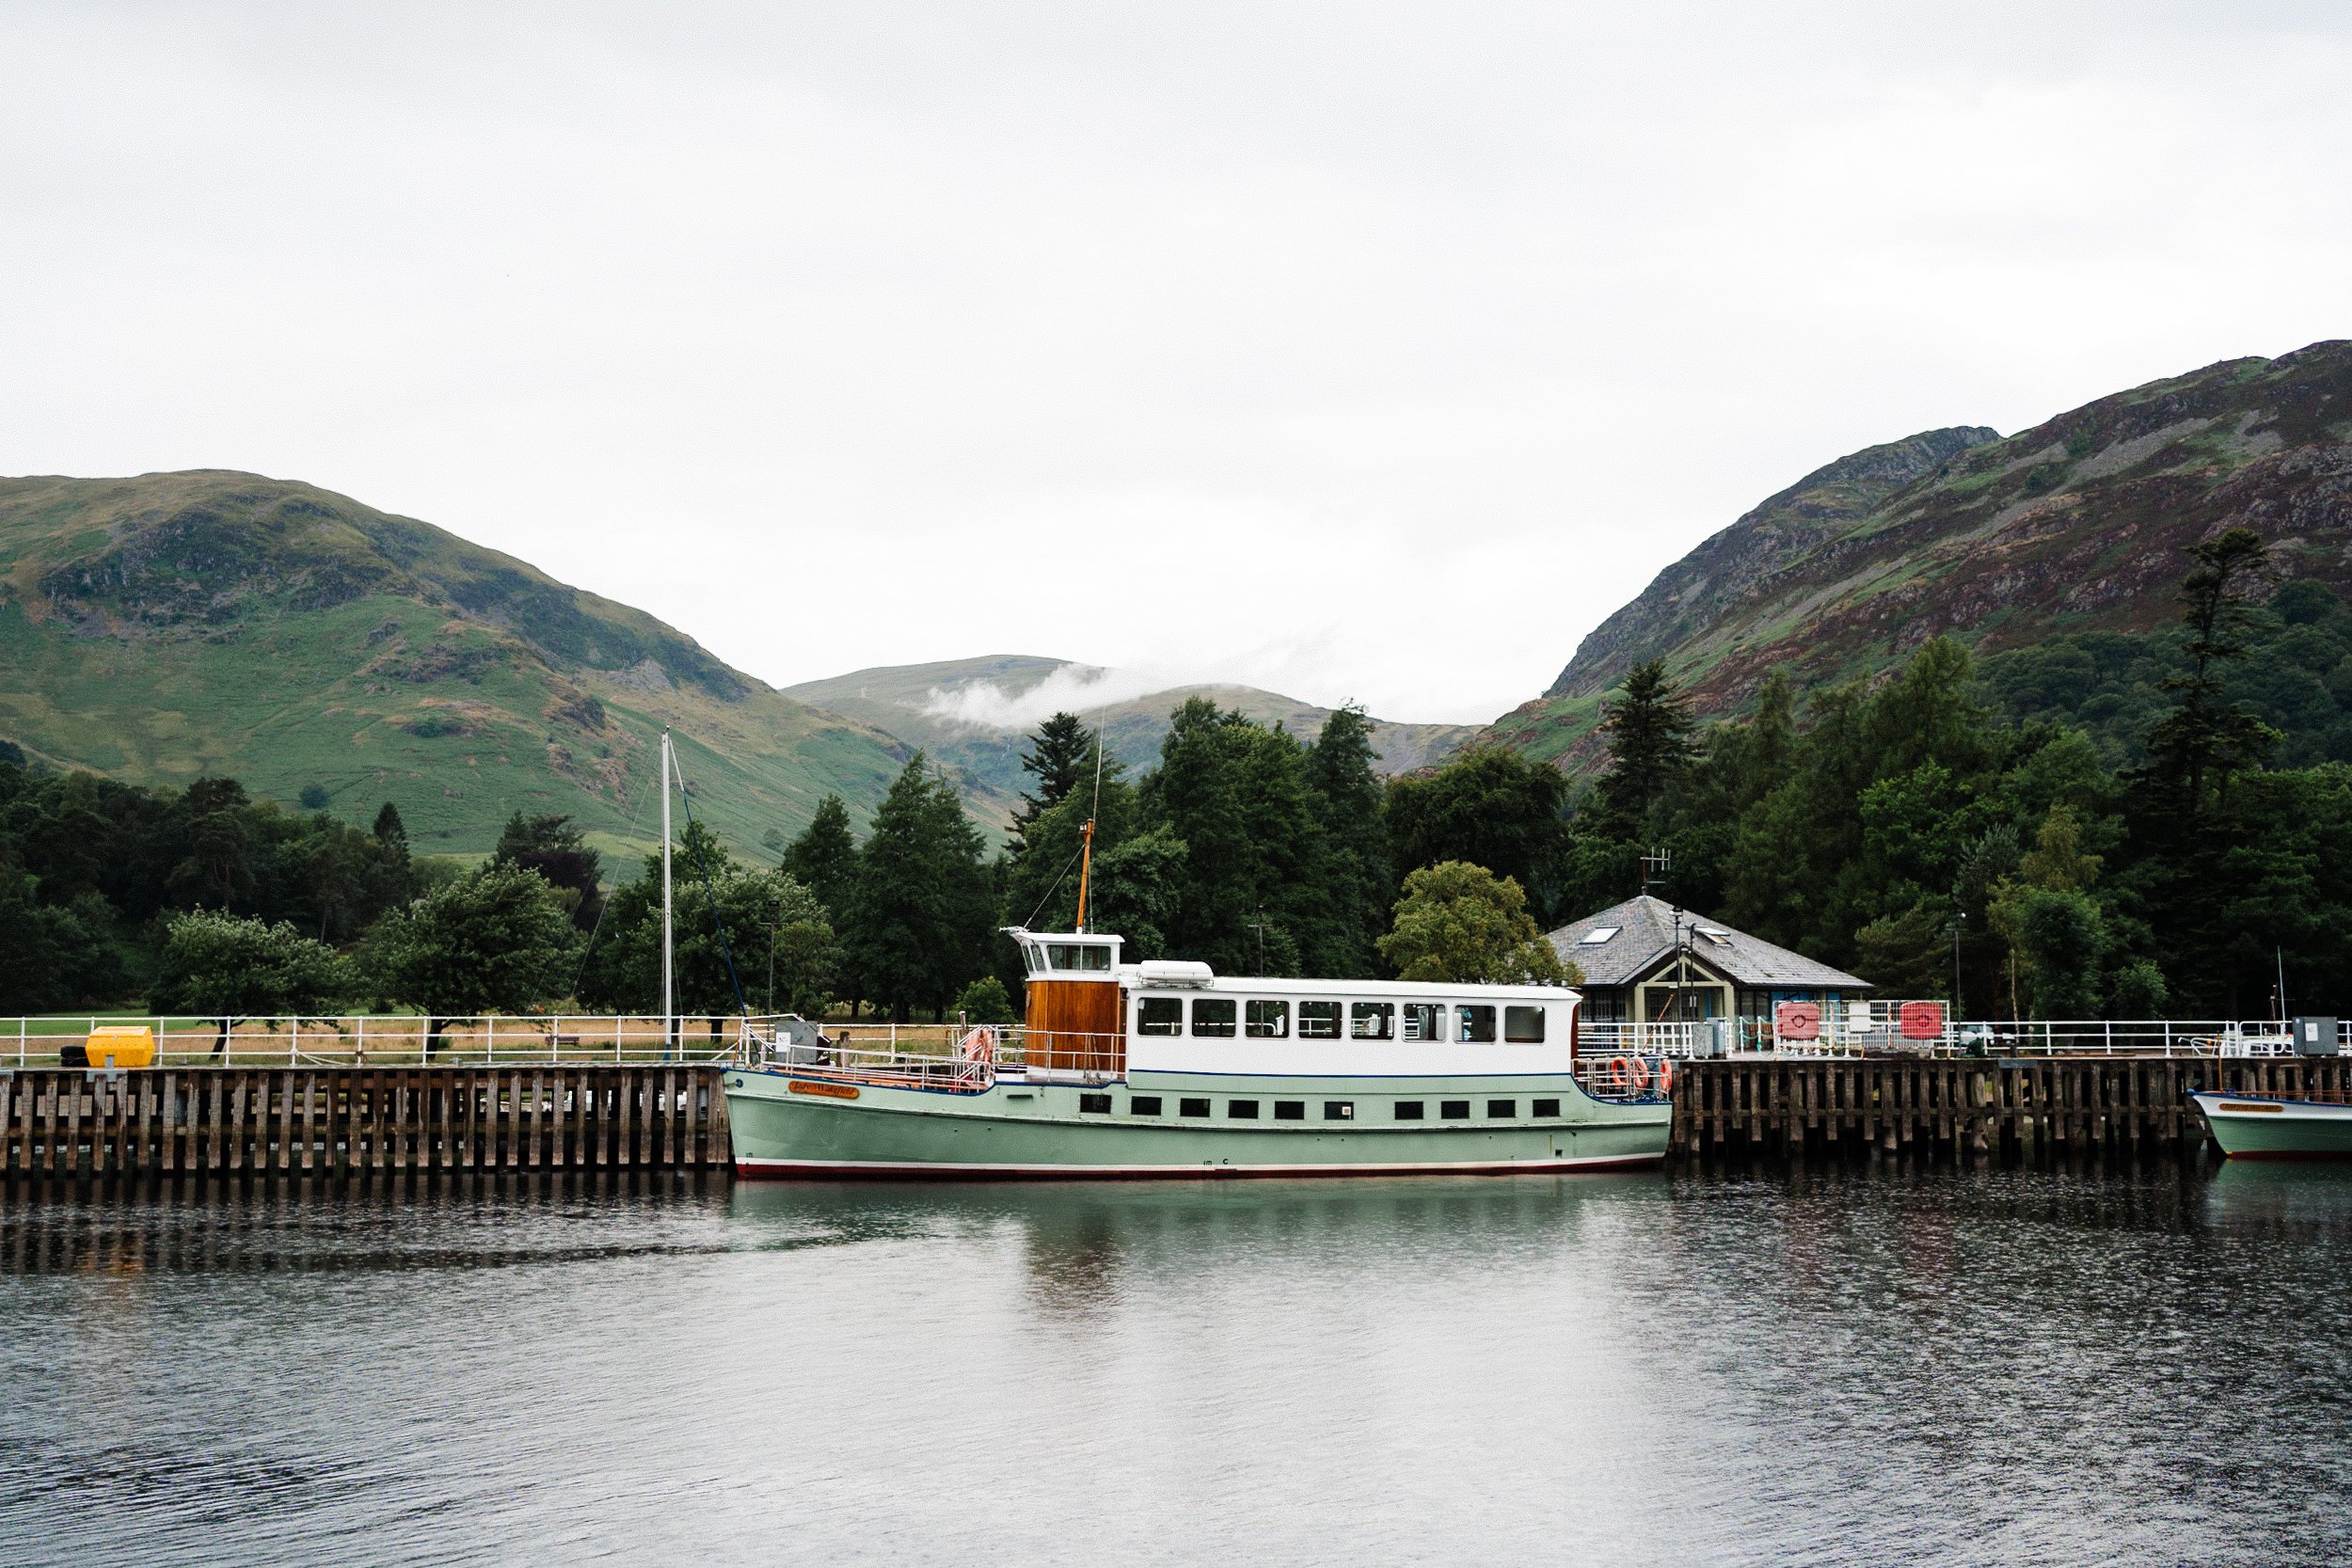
{"x":1873,"y":1367}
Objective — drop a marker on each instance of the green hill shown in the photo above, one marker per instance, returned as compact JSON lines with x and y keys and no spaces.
{"x":166,"y":626}
{"x":2072,"y":529}
{"x":975,"y":714}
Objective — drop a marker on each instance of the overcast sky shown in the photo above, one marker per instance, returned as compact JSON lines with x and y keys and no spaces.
{"x":1363,"y":351}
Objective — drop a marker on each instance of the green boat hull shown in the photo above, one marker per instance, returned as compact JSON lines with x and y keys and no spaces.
{"x":790,"y":1125}
{"x":2273,"y":1127}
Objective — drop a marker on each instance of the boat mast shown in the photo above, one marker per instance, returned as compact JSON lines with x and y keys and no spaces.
{"x":669,"y":1009}
{"x":1086,"y":848}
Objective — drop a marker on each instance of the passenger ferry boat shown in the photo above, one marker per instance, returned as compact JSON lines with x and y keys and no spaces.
{"x":1166,"y":1070}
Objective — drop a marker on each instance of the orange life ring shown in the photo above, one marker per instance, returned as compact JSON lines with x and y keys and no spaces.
{"x":1665,"y":1077}
{"x":1621,"y":1074}
{"x":1640,"y":1076}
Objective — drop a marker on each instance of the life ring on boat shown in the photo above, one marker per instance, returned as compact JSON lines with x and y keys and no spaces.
{"x":1665,"y":1077}
{"x":980,"y":1045}
{"x":1620,"y":1073}
{"x":1640,"y":1076}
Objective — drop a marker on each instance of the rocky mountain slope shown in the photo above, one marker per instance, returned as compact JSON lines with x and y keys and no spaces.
{"x":975,"y":713}
{"x":166,"y":626}
{"x":2077,"y":524}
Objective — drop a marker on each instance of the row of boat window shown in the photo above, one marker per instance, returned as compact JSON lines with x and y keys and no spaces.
{"x":1295,"y":1110}
{"x":1266,"y":1018}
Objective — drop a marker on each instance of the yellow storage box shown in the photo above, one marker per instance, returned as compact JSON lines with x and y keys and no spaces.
{"x":116,"y":1045}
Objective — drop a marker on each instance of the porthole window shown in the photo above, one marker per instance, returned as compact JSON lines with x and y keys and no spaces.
{"x":1094,"y":1104}
{"x":1454,"y":1110}
{"x":1408,"y":1110}
{"x":1545,"y":1108}
{"x":1502,"y":1107}
{"x":1242,"y":1110}
{"x":1339,"y":1110}
{"x":1192,"y":1107}
{"x":1290,"y":1110}
{"x":1144,"y":1105}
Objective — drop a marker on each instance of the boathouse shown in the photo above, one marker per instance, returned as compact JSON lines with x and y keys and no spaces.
{"x":1645,"y":961}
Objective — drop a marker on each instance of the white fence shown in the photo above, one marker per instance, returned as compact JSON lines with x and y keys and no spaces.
{"x":1880,"y":1031}
{"x":395,"y":1039}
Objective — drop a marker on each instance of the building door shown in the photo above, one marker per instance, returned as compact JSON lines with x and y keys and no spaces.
{"x":1685,"y":1003}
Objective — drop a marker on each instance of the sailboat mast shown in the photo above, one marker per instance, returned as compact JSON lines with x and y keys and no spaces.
{"x":1085,"y":862}
{"x":669,"y":1007}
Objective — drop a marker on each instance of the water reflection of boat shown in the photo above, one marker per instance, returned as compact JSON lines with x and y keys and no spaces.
{"x":1168,"y":1070}
{"x":2264,"y":1191}
{"x":2276,"y":1127}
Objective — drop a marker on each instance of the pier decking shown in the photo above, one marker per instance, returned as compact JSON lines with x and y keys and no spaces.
{"x":60,"y":1123}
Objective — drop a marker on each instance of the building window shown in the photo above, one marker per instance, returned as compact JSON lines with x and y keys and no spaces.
{"x":1192,"y":1107}
{"x":1160,"y":1015}
{"x":1371,"y":1021}
{"x":1213,"y":1016}
{"x":1544,"y":1108}
{"x":1477,"y":1025}
{"x":1318,"y":1021}
{"x":1408,"y":1110}
{"x":1290,"y":1110}
{"x":1454,"y":1110}
{"x":1144,"y":1105}
{"x":1339,"y":1110}
{"x":1094,"y":1104}
{"x":1524,"y":1025}
{"x":1242,"y":1110}
{"x":1270,"y":1021}
{"x":1424,"y":1020}
{"x":1502,"y":1107}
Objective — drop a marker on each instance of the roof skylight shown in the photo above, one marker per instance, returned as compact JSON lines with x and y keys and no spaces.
{"x":1597,"y":935}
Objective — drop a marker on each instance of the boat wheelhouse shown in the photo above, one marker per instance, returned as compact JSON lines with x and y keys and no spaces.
{"x":1167,"y":1069}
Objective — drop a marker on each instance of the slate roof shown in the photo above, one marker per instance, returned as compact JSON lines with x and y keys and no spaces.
{"x":1645,"y":935}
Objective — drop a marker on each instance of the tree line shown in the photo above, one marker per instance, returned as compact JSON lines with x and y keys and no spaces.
{"x":1916,"y":829}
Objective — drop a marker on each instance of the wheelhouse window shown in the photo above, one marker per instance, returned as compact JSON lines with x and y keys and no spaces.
{"x":1213,"y":1016}
{"x":1524,"y":1025}
{"x":1270,"y":1021}
{"x":1424,"y":1020}
{"x":1318,"y":1021}
{"x":1371,"y":1021}
{"x":1081,"y":958}
{"x":1477,"y":1023}
{"x":1160,"y":1015}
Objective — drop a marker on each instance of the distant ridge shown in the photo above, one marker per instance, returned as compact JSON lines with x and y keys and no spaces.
{"x":162,"y":627}
{"x":2077,"y":524}
{"x":975,"y":713}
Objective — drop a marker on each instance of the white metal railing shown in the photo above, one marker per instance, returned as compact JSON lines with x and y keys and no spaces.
{"x":1844,"y":1033}
{"x":394,"y":1039}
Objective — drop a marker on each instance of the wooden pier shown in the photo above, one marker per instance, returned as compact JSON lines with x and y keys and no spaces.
{"x":1844,"y":1108}
{"x":62,"y":1123}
